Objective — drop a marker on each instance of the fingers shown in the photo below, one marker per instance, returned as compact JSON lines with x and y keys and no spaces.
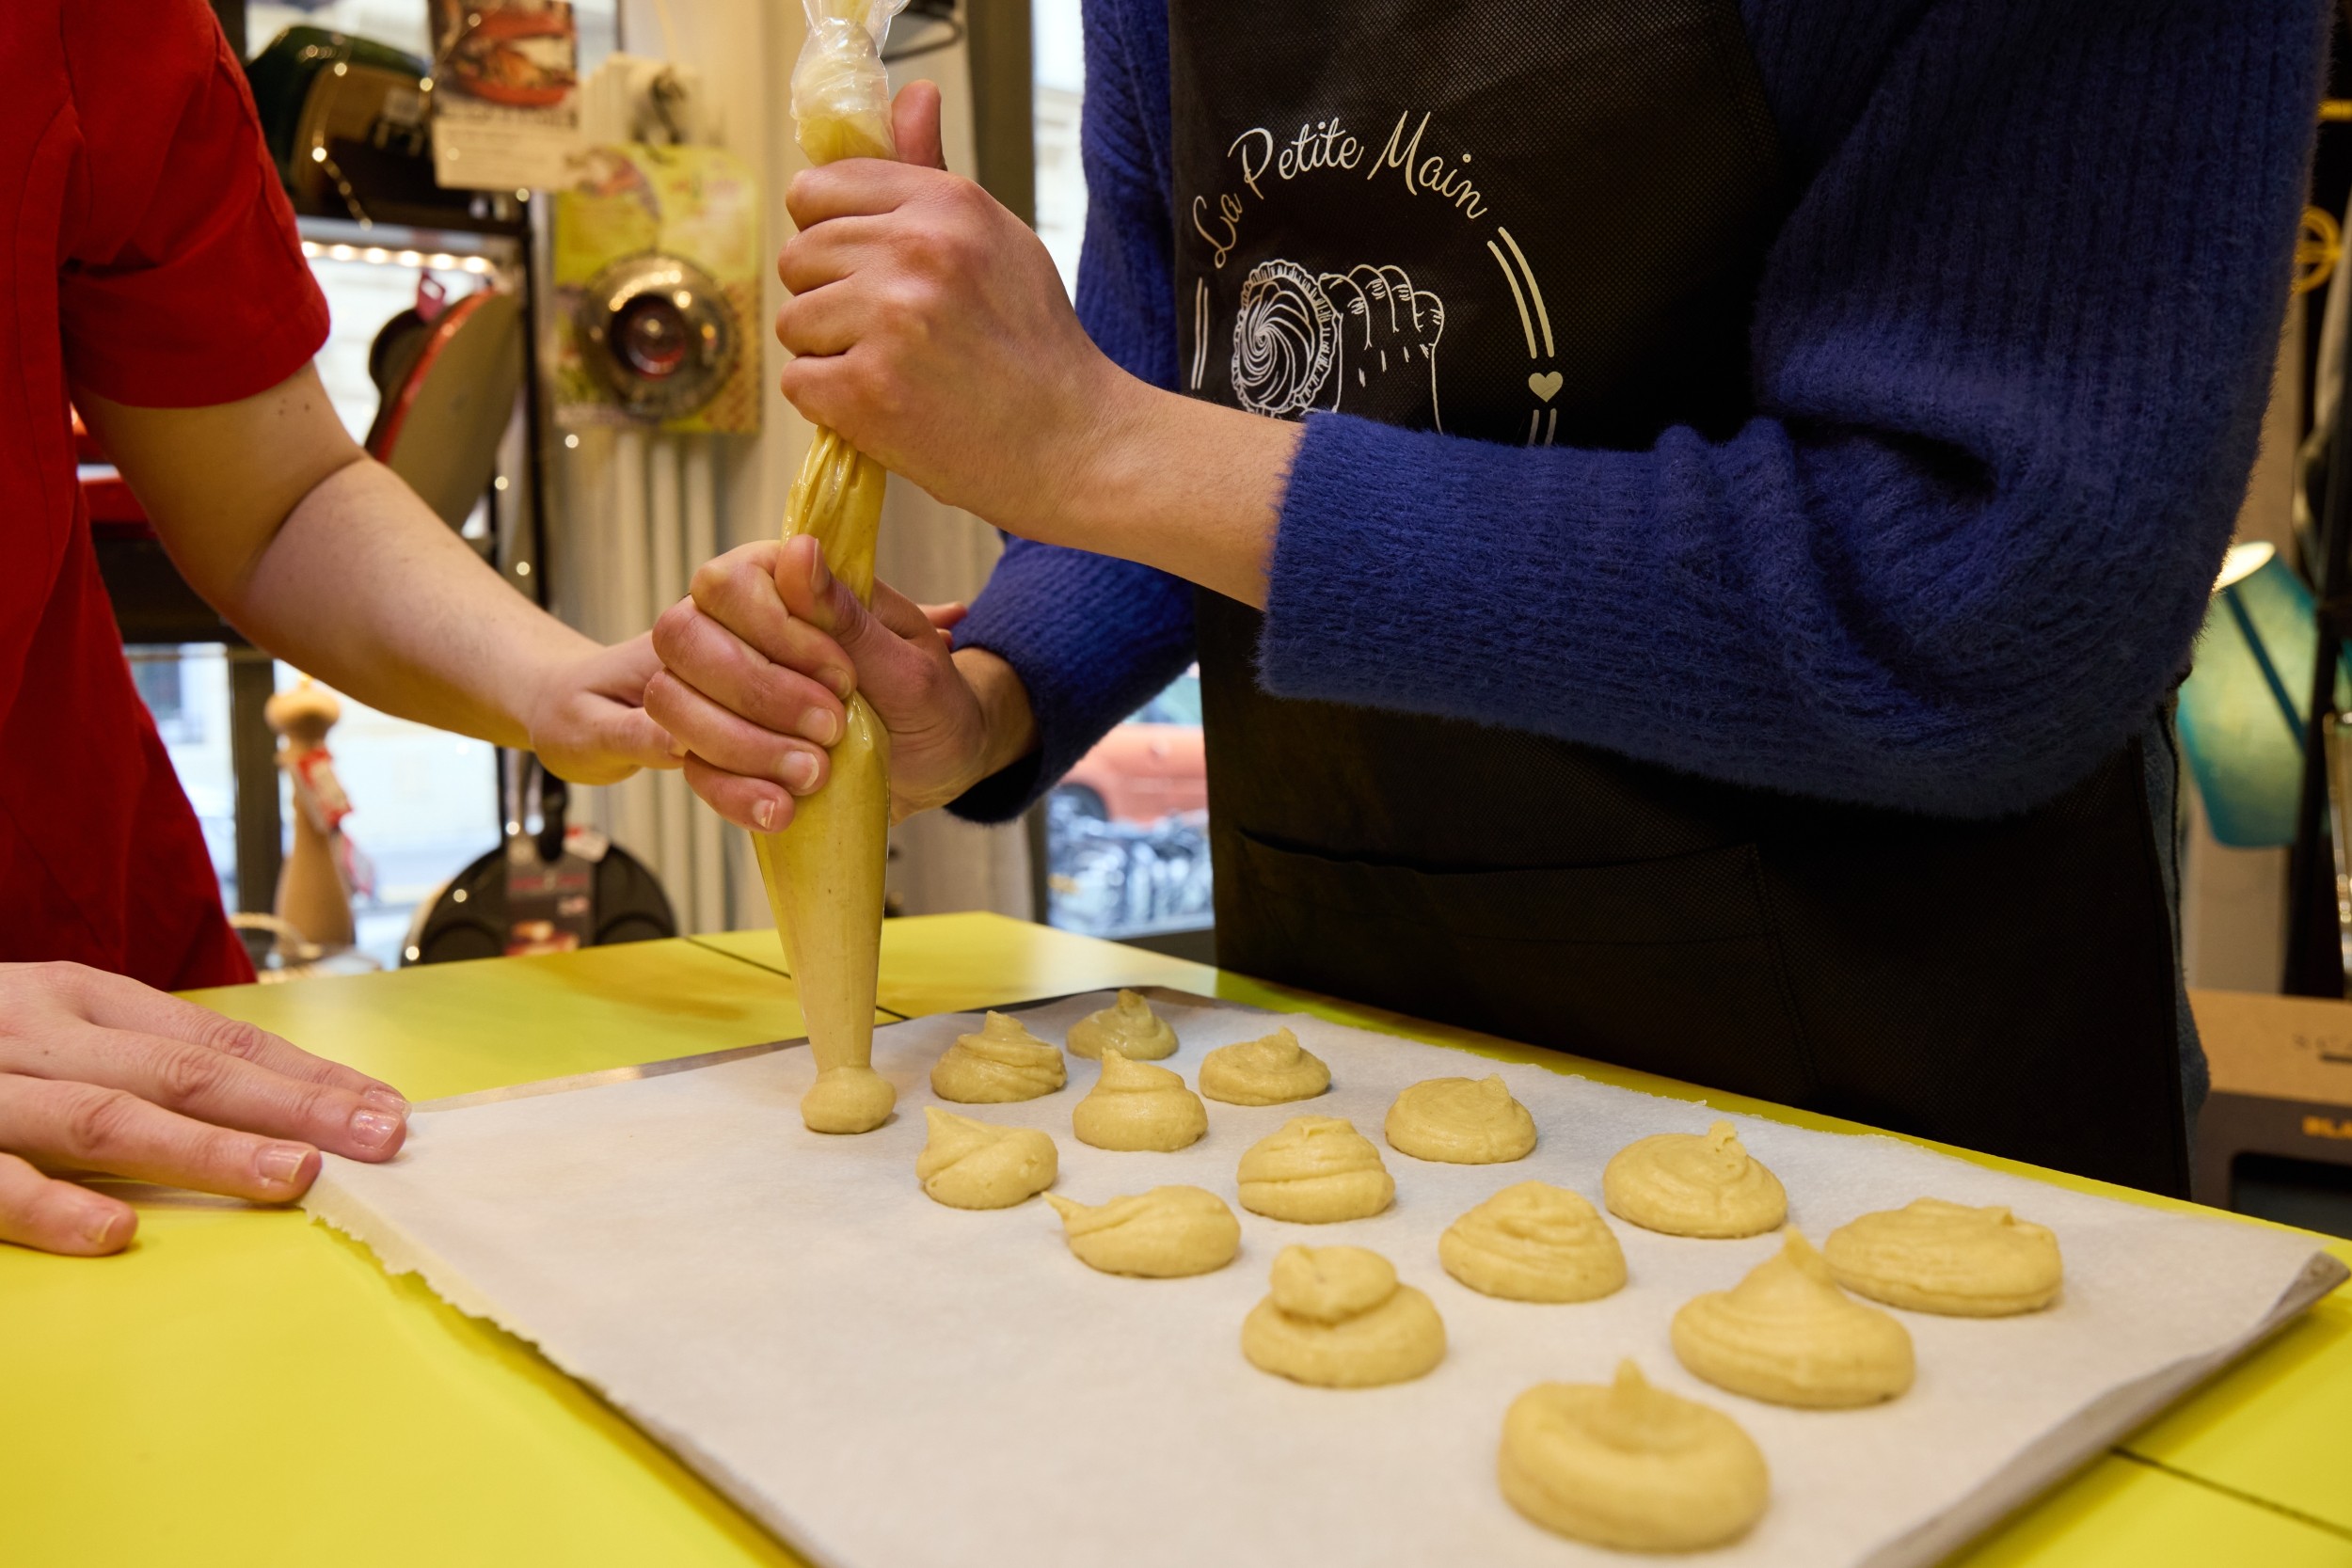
{"x":945,"y":617}
{"x":728,"y":741}
{"x":214,"y":1086}
{"x":914,"y":125}
{"x":856,"y":187}
{"x":753,"y":803}
{"x":700,"y":651}
{"x":739,"y":591}
{"x":116,"y":1002}
{"x":37,"y":1211}
{"x":83,"y":1126}
{"x":811,"y":260}
{"x":827,"y":322}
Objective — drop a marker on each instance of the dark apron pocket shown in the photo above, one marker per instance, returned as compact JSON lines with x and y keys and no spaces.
{"x":1671,"y":966}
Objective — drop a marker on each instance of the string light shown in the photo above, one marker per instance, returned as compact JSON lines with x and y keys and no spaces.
{"x":439,"y":260}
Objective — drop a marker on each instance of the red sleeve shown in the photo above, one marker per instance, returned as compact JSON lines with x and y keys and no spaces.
{"x":182,"y":279}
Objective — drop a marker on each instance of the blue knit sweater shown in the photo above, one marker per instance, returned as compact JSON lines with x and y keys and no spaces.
{"x":2011,"y":353}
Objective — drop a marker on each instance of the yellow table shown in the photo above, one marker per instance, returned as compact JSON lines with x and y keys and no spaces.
{"x":243,"y":1387}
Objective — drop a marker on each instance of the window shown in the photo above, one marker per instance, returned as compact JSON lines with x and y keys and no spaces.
{"x":1127,"y":831}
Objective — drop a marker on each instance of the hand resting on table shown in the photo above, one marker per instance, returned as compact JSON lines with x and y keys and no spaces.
{"x":99,"y":1073}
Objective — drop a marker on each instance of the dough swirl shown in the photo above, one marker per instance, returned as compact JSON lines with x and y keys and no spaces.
{"x":1338,"y":1319}
{"x":1461,"y":1121}
{"x":1000,"y":1064}
{"x":1694,"y":1184}
{"x":1167,"y":1234}
{"x":977,"y":1165}
{"x":848,"y":1098}
{"x":1534,"y":1242}
{"x":1271,"y":1070}
{"x":1315,"y":1170}
{"x":1128,"y":1026}
{"x":1931,"y":1256}
{"x":1631,"y":1466}
{"x":1787,"y":1334}
{"x":1134,"y":1105}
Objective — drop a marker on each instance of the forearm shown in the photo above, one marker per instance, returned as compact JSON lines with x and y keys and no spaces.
{"x":421,"y":626}
{"x":1010,"y":723}
{"x":1169,"y":482}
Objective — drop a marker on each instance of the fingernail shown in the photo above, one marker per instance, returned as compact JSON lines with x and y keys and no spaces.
{"x":101,"y":1226}
{"x":840,"y":683}
{"x":372,"y":1129}
{"x":821,"y":727}
{"x":819,"y":575}
{"x":765,"y":815}
{"x":800,"y":772}
{"x":385,"y":1096}
{"x":281,"y":1163}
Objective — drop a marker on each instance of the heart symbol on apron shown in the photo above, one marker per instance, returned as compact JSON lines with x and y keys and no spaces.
{"x":1545,"y":385}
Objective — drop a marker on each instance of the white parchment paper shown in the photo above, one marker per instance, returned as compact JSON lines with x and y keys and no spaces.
{"x":888,"y":1383}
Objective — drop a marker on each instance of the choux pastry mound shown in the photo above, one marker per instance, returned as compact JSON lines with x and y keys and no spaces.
{"x":974,"y":1164}
{"x":1000,"y":1064}
{"x":1931,"y":1256}
{"x":1128,"y":1026}
{"x":1315,"y":1170}
{"x":1694,"y":1184}
{"x":1631,"y":1466}
{"x":1534,"y":1242}
{"x":1167,"y":1234}
{"x":1461,"y":1121}
{"x":848,"y":1098}
{"x":1338,"y":1319}
{"x":1274,"y":1070}
{"x":1134,"y":1105}
{"x":1787,"y":1334}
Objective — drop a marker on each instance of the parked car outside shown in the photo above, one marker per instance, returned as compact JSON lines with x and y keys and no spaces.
{"x":1148,"y":767}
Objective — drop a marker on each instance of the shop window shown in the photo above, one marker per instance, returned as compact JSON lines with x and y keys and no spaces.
{"x":186,"y":691}
{"x":1127,"y":831}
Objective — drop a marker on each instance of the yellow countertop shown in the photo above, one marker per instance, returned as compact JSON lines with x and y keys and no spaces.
{"x":243,"y":1388}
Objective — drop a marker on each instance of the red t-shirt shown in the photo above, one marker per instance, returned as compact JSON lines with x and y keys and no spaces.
{"x":150,"y":257}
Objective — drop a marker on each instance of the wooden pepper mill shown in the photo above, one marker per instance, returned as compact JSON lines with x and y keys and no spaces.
{"x":312,"y":894}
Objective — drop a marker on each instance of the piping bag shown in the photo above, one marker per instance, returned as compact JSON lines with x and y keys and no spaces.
{"x":824,"y":871}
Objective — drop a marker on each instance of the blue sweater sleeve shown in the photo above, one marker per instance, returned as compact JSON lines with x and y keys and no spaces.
{"x":1093,"y":637}
{"x":2011,"y":354}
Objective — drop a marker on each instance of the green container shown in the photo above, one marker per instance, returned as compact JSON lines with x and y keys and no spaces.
{"x":2246,"y":705}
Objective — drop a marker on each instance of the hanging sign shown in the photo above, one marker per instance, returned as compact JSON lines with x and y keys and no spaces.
{"x":506,"y":93}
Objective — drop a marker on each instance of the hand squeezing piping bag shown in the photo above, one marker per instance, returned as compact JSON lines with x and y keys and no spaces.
{"x":824,"y":871}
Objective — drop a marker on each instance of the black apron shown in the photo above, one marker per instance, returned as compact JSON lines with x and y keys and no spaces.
{"x":1541,"y":222}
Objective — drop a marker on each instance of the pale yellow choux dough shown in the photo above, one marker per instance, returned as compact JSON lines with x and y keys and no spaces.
{"x":977,"y":1165}
{"x":1631,"y":1466}
{"x":1134,"y":1105}
{"x":1534,"y":1242}
{"x":1936,"y":1257}
{"x":848,"y":1098}
{"x":1461,"y":1121}
{"x":1167,"y":1234}
{"x":1002,"y":1062}
{"x":1272,"y":1070}
{"x":1128,"y":1026}
{"x":1315,"y":1170}
{"x":1694,"y":1184}
{"x":1787,"y":1334}
{"x":1338,"y":1319}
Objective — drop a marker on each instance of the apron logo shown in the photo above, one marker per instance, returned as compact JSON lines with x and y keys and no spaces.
{"x":1362,"y":338}
{"x":1300,"y":333}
